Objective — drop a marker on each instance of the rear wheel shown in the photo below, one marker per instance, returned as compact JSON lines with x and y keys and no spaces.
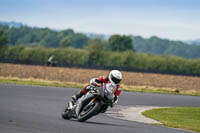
{"x":88,"y":111}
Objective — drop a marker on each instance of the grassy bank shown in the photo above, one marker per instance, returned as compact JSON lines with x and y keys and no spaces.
{"x":179,"y":117}
{"x":42,"y":82}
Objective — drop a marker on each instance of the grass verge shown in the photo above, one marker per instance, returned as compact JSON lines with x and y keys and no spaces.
{"x":178,"y":117}
{"x":42,"y":82}
{"x":145,"y":89}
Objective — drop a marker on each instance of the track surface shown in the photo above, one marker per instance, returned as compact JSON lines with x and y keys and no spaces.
{"x":35,"y":109}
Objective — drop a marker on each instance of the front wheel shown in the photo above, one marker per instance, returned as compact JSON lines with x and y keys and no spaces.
{"x":65,"y":114}
{"x":88,"y":112}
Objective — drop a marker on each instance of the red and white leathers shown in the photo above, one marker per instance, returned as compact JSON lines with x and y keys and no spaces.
{"x":112,"y":85}
{"x":104,"y":79}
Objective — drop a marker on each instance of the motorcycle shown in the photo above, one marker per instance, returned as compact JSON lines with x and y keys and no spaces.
{"x":92,"y":103}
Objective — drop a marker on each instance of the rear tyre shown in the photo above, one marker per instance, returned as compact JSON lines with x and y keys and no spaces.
{"x":84,"y":115}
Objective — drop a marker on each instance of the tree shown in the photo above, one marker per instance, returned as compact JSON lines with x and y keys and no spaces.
{"x":62,"y":34}
{"x":120,"y":43}
{"x":79,"y":40}
{"x":50,"y":39}
{"x":66,"y":32}
{"x":66,"y":42}
{"x":140,"y":44}
{"x":95,"y":48}
{"x":3,"y":38}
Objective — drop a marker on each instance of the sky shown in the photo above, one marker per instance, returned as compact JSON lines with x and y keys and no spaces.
{"x":171,"y":19}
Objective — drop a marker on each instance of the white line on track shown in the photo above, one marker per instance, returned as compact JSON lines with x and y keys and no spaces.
{"x":133,"y":113}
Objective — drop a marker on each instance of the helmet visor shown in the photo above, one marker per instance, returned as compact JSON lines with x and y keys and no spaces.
{"x":115,"y":80}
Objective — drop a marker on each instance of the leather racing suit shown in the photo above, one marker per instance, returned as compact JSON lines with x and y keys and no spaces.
{"x":95,"y":81}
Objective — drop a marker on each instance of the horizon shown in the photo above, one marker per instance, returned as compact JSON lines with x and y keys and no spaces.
{"x":88,"y":33}
{"x":172,"y":19}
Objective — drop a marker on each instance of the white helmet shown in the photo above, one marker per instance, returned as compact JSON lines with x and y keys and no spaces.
{"x":115,"y":77}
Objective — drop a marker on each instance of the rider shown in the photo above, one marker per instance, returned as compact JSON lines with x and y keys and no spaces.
{"x":114,"y":79}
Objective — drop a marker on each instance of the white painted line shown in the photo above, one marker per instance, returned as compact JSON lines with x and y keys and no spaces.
{"x":133,"y":113}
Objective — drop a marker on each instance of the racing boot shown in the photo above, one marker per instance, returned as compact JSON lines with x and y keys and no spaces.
{"x":81,"y":93}
{"x":77,"y":96}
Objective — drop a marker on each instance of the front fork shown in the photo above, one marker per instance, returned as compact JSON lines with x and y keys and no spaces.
{"x":70,"y":105}
{"x":71,"y":108}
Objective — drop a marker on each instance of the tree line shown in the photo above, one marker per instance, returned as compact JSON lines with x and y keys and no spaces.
{"x":28,"y":36}
{"x":155,"y":45}
{"x":33,"y":36}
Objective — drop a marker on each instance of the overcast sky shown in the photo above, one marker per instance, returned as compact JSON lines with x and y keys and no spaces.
{"x":172,"y":19}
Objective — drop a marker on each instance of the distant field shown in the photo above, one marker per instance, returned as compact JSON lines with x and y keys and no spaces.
{"x":139,"y":80}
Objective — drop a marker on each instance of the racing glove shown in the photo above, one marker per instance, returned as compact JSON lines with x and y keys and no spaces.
{"x":93,"y":81}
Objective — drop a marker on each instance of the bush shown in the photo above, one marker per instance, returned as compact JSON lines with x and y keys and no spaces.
{"x":95,"y":55}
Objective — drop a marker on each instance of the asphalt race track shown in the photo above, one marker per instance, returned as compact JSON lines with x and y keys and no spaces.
{"x":35,"y":109}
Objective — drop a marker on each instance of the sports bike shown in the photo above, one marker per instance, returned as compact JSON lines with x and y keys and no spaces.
{"x":92,"y":103}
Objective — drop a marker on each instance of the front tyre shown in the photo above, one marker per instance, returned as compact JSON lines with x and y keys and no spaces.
{"x":65,"y":114}
{"x":86,"y":114}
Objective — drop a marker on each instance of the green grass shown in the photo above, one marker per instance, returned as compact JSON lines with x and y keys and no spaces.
{"x":155,"y":91}
{"x":41,"y":82}
{"x":178,"y":117}
{"x":159,"y":91}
